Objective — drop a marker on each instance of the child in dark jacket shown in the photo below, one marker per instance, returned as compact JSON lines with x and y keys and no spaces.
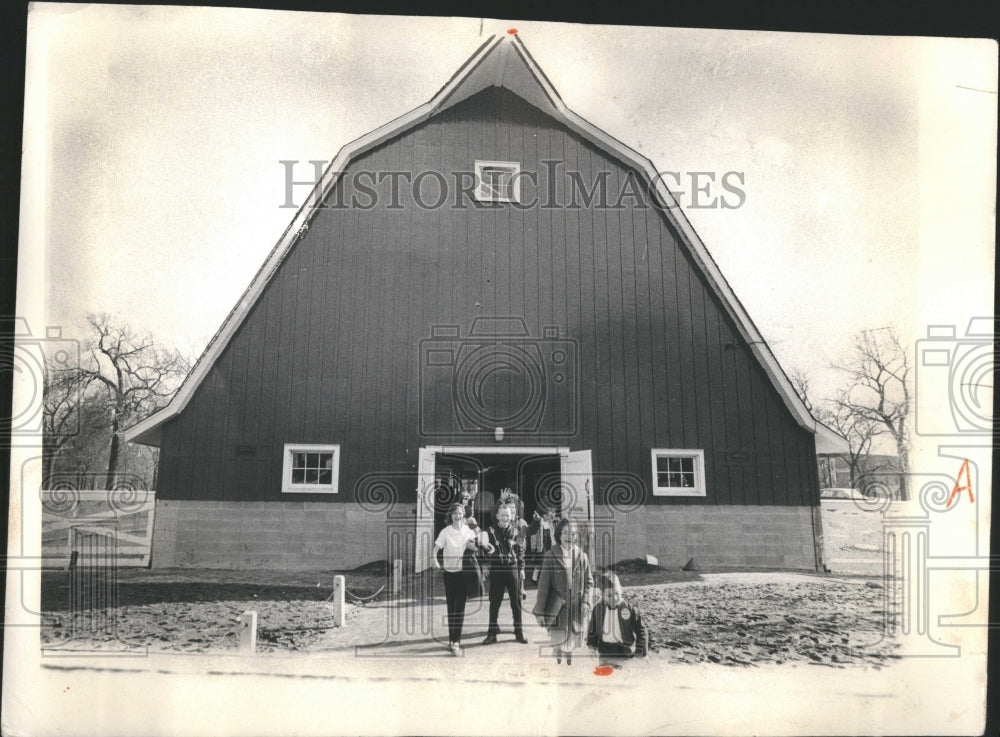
{"x":616,"y":628}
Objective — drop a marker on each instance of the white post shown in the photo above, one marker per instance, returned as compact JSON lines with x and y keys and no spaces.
{"x":338,"y":601}
{"x":397,"y":577}
{"x":248,"y":633}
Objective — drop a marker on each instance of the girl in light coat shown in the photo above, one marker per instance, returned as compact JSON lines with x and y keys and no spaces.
{"x":564,"y":592}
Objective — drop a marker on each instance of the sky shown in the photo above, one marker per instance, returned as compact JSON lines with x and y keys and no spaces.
{"x":152,"y":189}
{"x":153,"y":139}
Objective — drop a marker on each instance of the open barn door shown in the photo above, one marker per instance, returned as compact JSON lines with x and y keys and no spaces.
{"x":424,"y":539}
{"x":578,"y":495}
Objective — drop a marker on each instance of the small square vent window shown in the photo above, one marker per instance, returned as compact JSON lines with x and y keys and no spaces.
{"x":498,"y":181}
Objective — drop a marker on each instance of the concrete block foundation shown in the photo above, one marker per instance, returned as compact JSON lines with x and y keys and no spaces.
{"x":343,"y":535}
{"x":275,"y":535}
{"x":716,"y":536}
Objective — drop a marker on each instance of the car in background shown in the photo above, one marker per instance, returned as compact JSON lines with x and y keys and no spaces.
{"x":841,"y":493}
{"x":848,"y":493}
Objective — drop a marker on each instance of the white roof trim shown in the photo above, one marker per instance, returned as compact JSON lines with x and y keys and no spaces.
{"x":147,"y":432}
{"x":829,"y":441}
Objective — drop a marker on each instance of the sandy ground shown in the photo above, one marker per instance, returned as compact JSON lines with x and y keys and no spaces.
{"x":734,"y":619}
{"x":754,"y":618}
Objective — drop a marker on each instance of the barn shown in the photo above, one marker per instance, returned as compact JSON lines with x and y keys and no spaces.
{"x":486,"y":293}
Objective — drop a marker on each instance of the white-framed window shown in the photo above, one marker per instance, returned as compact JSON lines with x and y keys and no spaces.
{"x":310,"y":469}
{"x":678,"y":472}
{"x":498,"y":181}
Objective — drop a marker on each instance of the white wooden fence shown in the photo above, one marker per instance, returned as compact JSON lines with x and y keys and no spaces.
{"x":122,"y":517}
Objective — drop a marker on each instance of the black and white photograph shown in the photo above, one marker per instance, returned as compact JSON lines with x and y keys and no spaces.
{"x":455,"y":375}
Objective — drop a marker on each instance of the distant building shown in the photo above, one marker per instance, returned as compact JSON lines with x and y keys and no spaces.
{"x":834,"y":472}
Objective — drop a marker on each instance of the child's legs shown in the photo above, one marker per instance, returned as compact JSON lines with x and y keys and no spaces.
{"x":497,"y":587}
{"x":454,"y":591}
{"x":612,"y":651}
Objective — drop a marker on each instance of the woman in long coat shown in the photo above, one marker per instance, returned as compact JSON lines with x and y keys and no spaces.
{"x":565,"y":587}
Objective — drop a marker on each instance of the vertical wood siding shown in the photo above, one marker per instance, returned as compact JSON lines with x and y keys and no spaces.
{"x":330,"y":352}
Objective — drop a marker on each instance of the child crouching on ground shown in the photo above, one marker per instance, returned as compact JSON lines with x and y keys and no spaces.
{"x":616,"y":629}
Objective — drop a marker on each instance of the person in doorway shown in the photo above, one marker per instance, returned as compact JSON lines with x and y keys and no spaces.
{"x":512,"y":500}
{"x":564,"y":590}
{"x":539,"y":537}
{"x":453,"y":541}
{"x":506,"y":558}
{"x":616,"y":629}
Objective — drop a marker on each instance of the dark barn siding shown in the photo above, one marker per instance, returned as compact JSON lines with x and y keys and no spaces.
{"x":329,"y":353}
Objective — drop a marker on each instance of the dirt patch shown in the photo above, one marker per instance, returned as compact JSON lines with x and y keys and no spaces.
{"x":637,"y":572}
{"x":736,"y":619}
{"x":375,"y":568}
{"x":748,"y":619}
{"x":197,"y":610}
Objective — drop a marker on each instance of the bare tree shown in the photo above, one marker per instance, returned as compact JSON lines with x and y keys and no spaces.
{"x":878,"y":396}
{"x":802,"y":385}
{"x":62,"y":418}
{"x":134,"y":374}
{"x":859,"y":431}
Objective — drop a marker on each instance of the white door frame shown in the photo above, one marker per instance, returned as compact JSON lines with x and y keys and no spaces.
{"x":425,"y":481}
{"x":498,"y":450}
{"x":583,"y":460}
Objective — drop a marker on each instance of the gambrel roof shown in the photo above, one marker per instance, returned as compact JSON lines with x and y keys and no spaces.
{"x":502,"y":61}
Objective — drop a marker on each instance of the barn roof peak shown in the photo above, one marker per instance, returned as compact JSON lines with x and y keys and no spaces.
{"x":502,"y":61}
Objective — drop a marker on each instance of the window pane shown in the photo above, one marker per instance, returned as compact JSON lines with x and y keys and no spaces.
{"x":298,"y":460}
{"x":327,"y":460}
{"x":496,"y":182}
{"x":312,"y":461}
{"x":298,"y":476}
{"x":312,"y":475}
{"x":326,"y":476}
{"x":678,"y":474}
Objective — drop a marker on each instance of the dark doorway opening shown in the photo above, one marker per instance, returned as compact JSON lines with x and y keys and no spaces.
{"x":478,"y":479}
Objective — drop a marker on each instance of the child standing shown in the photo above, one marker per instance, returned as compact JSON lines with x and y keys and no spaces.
{"x":454,"y":540}
{"x":616,"y":629}
{"x":506,"y":558}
